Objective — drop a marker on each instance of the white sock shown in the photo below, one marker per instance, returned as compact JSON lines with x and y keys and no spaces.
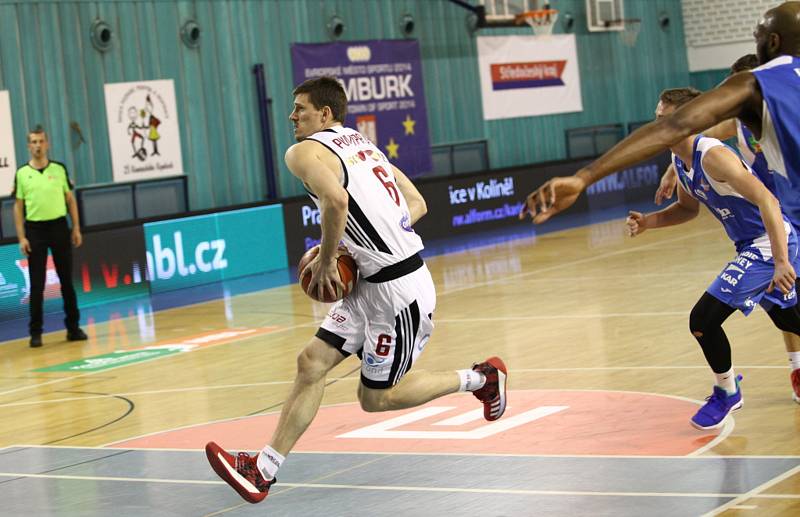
{"x":794,"y":358}
{"x":470,"y":380}
{"x":269,"y":461}
{"x":727,"y":381}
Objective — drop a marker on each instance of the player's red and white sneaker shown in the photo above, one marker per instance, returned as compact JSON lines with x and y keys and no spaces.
{"x":795,"y":376}
{"x":240,"y":472}
{"x":493,"y":393}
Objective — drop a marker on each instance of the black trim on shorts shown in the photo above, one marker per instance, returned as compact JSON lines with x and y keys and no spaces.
{"x":395,"y":271}
{"x":406,"y":328}
{"x":333,"y":340}
{"x":375,"y":385}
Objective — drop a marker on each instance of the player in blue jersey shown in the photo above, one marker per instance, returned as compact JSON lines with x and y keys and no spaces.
{"x":763,"y":272}
{"x":766,"y":100}
{"x":750,"y":150}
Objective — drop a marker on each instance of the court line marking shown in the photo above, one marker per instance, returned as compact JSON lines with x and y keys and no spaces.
{"x":357,"y":377}
{"x":87,"y":374}
{"x":755,"y":492}
{"x":458,"y":454}
{"x":726,"y":430}
{"x":684,"y":314}
{"x":504,"y":491}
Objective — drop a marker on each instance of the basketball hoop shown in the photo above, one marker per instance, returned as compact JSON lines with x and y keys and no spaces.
{"x":629,"y":30}
{"x":540,"y":20}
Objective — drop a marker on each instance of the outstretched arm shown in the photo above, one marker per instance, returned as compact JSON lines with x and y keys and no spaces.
{"x":737,"y":94}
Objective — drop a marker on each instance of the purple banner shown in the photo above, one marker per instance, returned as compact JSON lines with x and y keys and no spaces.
{"x":386,"y":97}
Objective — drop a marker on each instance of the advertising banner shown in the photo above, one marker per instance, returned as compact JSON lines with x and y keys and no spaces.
{"x":523,"y":76}
{"x":108,"y":267}
{"x":8,"y":160}
{"x":385,"y":93}
{"x":460,"y":205}
{"x":208,"y":248}
{"x":303,"y":231}
{"x":143,"y":130}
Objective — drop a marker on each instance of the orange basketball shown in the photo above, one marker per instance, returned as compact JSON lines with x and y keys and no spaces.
{"x":348,"y":273}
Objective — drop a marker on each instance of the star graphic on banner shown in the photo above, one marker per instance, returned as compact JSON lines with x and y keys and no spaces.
{"x":408,"y":123}
{"x":392,"y":148}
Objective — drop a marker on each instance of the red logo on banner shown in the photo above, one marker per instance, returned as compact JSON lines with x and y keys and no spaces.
{"x":527,"y":75}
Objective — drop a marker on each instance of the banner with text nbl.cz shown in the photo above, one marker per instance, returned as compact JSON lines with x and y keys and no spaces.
{"x":128,"y":262}
{"x":109,"y":266}
{"x":385,"y":93}
{"x":208,"y":248}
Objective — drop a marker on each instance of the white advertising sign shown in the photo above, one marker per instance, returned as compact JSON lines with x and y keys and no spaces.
{"x":143,"y":130}
{"x":8,"y":161}
{"x":523,"y":76}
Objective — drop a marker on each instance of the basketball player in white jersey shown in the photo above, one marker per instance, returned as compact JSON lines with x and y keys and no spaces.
{"x":386,"y":320}
{"x":750,"y":151}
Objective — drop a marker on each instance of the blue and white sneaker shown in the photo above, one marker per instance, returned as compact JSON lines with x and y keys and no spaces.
{"x":717,"y":408}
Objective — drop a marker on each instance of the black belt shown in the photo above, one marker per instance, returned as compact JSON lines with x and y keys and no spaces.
{"x":396,"y":271}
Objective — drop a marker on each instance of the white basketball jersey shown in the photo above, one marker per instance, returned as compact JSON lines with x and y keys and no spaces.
{"x":378,"y":231}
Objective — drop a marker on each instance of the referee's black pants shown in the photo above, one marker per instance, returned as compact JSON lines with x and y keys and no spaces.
{"x":54,"y":235}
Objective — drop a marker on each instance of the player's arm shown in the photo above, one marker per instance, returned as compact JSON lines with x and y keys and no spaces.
{"x":684,"y":209}
{"x":305,"y":163}
{"x":416,"y":203}
{"x":723,"y":165}
{"x":722,"y":131}
{"x":666,"y":186}
{"x":19,"y":224}
{"x":72,"y":206}
{"x":737,"y":94}
{"x":723,"y":102}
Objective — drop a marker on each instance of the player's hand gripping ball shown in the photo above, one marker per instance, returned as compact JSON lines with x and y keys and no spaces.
{"x":348,"y":273}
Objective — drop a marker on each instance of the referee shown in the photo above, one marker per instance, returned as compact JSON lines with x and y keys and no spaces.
{"x":44,"y":194}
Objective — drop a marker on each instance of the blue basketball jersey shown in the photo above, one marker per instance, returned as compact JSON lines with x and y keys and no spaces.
{"x":779,"y":81}
{"x":752,"y":153}
{"x":740,"y":218}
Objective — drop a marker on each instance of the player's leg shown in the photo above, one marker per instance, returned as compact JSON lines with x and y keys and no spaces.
{"x":705,"y":323}
{"x":788,"y":320}
{"x":61,"y":246}
{"x":252,"y":476}
{"x":37,"y":271}
{"x":395,"y":341}
{"x":300,"y":408}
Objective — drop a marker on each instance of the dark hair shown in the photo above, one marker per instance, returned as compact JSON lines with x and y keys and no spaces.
{"x":325,"y":91}
{"x":38,"y":130}
{"x":678,"y":96}
{"x":746,"y":62}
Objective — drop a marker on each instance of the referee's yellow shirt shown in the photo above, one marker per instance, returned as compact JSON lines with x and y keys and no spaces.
{"x":43,"y":191}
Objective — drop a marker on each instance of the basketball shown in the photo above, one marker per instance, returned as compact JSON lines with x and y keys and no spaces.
{"x":348,"y":273}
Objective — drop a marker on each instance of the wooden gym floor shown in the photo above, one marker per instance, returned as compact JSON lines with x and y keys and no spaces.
{"x":604,"y":377}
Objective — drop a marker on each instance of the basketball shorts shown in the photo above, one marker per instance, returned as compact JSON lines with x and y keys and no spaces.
{"x":744,"y":281}
{"x":386,"y":324}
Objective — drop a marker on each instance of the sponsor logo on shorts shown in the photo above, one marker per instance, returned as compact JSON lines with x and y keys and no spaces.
{"x":374,"y":360}
{"x":376,"y":371}
{"x":337,"y":318}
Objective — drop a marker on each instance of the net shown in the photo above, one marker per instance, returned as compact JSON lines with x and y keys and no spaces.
{"x":541,"y":20}
{"x":630,"y":32}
